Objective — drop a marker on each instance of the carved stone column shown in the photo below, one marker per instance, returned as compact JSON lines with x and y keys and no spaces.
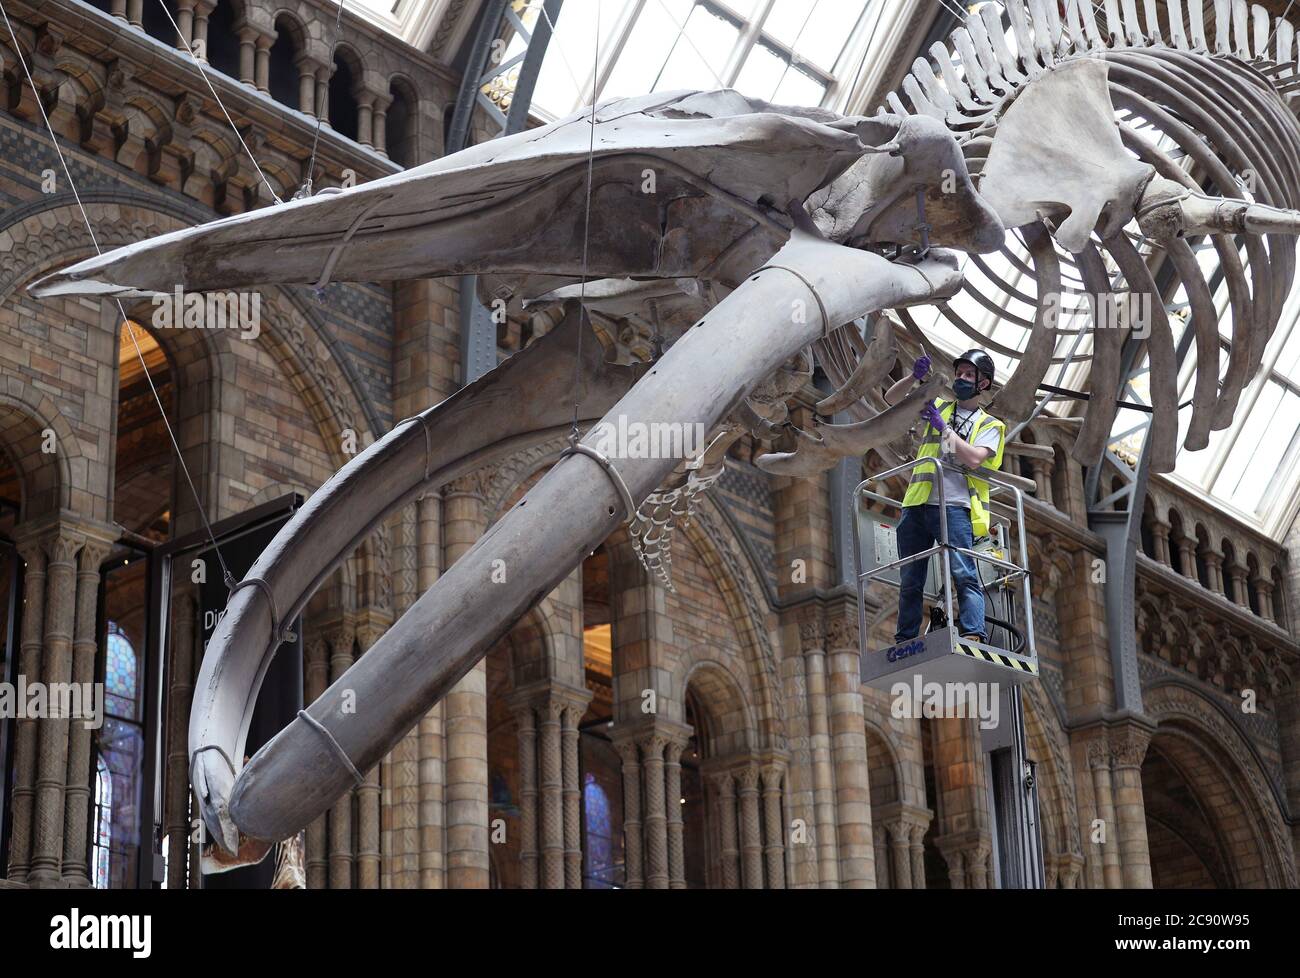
{"x":725,"y":790}
{"x":56,"y":667}
{"x":900,"y":845}
{"x":900,"y":830}
{"x":379,"y":125}
{"x":1264,"y":594}
{"x":1187,"y":556}
{"x":751,"y":839}
{"x":431,"y":771}
{"x":202,"y":10}
{"x":119,"y":9}
{"x":967,"y":856}
{"x":572,"y":792}
{"x":307,"y":68}
{"x":1160,"y":538}
{"x":1214,"y":567}
{"x":340,"y":636}
{"x":315,"y":682}
{"x":774,"y":825}
{"x":811,"y":638}
{"x":673,"y":793}
{"x":262,"y":62}
{"x":1128,"y":747}
{"x":185,"y":23}
{"x":80,"y":771}
{"x":180,"y":691}
{"x":526,"y":725}
{"x":1042,"y":470}
{"x":656,"y":817}
{"x":849,"y":748}
{"x":365,"y":115}
{"x":880,"y":844}
{"x":247,"y":35}
{"x":632,"y":838}
{"x":465,"y":714}
{"x":552,"y":796}
{"x":917,"y":852}
{"x":1099,"y":765}
{"x":373,"y":624}
{"x":323,"y":73}
{"x":1236,"y":575}
{"x":26,"y":729}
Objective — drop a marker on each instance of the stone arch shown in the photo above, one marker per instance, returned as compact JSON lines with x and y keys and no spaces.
{"x":1220,"y":766}
{"x":202,"y":367}
{"x":715,"y":542}
{"x":346,"y":74}
{"x":223,"y":42}
{"x":289,"y":45}
{"x":1048,"y":747}
{"x":1177,"y":533}
{"x":45,"y":479}
{"x":727,"y":723}
{"x":50,"y":233}
{"x":718,"y":546}
{"x":405,"y":122}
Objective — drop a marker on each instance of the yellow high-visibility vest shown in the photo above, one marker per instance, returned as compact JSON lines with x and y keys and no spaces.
{"x":923,"y":476}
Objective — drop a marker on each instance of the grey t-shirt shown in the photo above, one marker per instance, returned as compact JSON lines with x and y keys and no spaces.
{"x":956,"y":491}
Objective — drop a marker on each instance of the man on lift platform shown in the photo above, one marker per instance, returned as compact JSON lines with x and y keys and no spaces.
{"x":967,"y":436}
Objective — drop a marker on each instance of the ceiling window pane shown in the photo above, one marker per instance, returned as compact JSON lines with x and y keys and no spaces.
{"x":764,"y":70}
{"x":799,"y":89}
{"x":1251,"y":464}
{"x":567,"y":68}
{"x":647,"y":48}
{"x":828,"y":30}
{"x":700,"y":53}
{"x":788,"y":18}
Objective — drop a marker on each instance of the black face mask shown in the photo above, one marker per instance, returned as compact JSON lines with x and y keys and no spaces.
{"x":964,"y":389}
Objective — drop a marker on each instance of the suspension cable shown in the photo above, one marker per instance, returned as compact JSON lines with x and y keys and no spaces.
{"x":225,"y":571}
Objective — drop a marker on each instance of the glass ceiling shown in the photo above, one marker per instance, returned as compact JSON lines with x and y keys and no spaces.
{"x":812,"y":52}
{"x":796,"y":52}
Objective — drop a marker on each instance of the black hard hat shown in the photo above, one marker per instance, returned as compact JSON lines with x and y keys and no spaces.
{"x":981,"y":361}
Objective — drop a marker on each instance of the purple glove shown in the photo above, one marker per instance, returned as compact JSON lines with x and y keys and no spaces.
{"x":921,"y":367}
{"x":931,"y":414}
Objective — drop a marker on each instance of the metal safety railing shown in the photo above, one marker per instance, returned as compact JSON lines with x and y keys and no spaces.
{"x":1011,"y":571}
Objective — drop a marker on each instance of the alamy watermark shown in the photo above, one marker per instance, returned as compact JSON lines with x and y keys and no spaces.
{"x":209,"y":310}
{"x":1109,"y":310}
{"x":622,"y":438}
{"x":53,"y":701}
{"x":933,"y":699}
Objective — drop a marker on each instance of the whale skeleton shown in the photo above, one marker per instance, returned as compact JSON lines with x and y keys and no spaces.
{"x":767,"y":230}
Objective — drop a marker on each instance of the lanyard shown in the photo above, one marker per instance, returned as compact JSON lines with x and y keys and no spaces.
{"x":963,"y":427}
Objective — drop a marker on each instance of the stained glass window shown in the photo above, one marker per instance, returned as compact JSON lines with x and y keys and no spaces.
{"x":600,"y":848}
{"x":602,"y":814}
{"x":121,"y":751}
{"x":120,"y":675}
{"x":103,"y":821}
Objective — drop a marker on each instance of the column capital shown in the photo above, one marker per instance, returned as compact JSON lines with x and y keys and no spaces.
{"x":339,"y":631}
{"x":723,"y":782}
{"x":549,"y":695}
{"x":477,"y":483}
{"x":371,"y":623}
{"x":1129,"y":745}
{"x":906,"y":815}
{"x":64,"y":533}
{"x":747,"y":777}
{"x":648,"y":728}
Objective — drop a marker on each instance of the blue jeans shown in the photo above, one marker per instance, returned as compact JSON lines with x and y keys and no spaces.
{"x":918,"y":530}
